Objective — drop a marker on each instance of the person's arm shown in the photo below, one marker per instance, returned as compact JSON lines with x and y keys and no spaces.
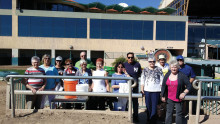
{"x":113,"y":84}
{"x":161,"y":78}
{"x":45,"y":83}
{"x":192,"y":76}
{"x":106,"y":83}
{"x":188,"y":87}
{"x":139,"y":70}
{"x":143,"y":78}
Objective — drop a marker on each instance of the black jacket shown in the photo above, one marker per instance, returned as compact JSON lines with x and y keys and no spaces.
{"x":183,"y":83}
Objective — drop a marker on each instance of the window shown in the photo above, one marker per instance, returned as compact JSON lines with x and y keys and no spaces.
{"x":5,"y":4}
{"x":121,"y":29}
{"x":52,"y":27}
{"x":5,"y":25}
{"x":170,"y":30}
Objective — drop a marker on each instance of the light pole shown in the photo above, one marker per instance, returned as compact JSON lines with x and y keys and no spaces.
{"x":71,"y":48}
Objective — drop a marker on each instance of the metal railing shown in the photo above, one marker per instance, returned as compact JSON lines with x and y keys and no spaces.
{"x":129,"y":95}
{"x":200,"y":97}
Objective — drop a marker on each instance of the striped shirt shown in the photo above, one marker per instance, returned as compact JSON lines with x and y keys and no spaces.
{"x":34,"y":82}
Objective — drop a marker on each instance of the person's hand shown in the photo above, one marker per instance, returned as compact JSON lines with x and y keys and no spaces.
{"x":33,"y":90}
{"x":142,"y":92}
{"x":41,"y":89}
{"x":163,"y":99}
{"x":182,"y":96}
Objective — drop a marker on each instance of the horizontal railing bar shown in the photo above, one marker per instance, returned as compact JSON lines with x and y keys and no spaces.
{"x":209,"y":80}
{"x":190,"y":98}
{"x":28,"y":92}
{"x":70,"y":77}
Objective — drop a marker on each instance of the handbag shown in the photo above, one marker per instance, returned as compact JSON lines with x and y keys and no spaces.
{"x":161,"y":111}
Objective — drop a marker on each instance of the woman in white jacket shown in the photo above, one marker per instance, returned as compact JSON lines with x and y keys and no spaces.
{"x":151,"y":81}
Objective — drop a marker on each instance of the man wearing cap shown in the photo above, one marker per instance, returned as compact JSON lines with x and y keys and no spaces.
{"x":162,"y":64}
{"x":90,"y":65}
{"x":186,"y":69}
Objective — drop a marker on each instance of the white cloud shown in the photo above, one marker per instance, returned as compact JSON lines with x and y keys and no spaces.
{"x":123,"y":4}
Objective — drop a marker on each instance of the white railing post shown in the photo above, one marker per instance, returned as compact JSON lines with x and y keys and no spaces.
{"x":198,"y":102}
{"x":130,"y":102}
{"x":12,"y":98}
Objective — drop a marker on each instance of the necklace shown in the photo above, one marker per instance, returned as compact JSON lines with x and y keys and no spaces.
{"x":172,"y":86}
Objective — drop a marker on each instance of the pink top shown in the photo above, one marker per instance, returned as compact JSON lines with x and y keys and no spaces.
{"x":172,"y":89}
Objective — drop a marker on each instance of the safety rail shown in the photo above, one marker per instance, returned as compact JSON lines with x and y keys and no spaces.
{"x":129,"y":95}
{"x":200,"y":97}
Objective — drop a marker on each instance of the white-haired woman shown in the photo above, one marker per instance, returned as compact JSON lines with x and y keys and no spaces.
{"x":83,"y":71}
{"x":151,"y":81}
{"x":51,"y":83}
{"x":34,"y":101}
{"x":174,"y":88}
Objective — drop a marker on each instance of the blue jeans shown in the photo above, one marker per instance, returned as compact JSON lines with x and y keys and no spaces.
{"x":151,"y":101}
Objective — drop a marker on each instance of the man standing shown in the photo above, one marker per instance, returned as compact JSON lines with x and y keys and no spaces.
{"x":90,"y":65}
{"x":162,"y":64}
{"x":186,"y":69}
{"x":134,"y":70}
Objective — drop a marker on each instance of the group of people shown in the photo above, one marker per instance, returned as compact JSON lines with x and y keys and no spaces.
{"x":159,"y":82}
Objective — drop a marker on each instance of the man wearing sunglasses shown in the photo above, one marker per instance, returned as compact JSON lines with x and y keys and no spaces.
{"x":90,"y":65}
{"x":133,"y":68}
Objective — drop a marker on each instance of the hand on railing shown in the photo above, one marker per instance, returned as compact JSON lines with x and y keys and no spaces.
{"x":33,"y":90}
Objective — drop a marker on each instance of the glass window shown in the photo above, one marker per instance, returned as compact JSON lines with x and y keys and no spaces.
{"x":58,"y":27}
{"x":47,"y":27}
{"x":116,"y":29}
{"x":126,"y":29}
{"x":70,"y":30}
{"x":36,"y":26}
{"x":24,"y":25}
{"x":5,"y":4}
{"x":95,"y":28}
{"x":138,"y":30}
{"x":170,"y":30}
{"x":106,"y":31}
{"x":5,"y":25}
{"x":148,"y":30}
{"x":81,"y":28}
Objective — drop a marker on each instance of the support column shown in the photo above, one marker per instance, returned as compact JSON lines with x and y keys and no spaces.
{"x":14,"y":60}
{"x":53,"y":56}
{"x":88,"y":53}
{"x":154,"y":30}
{"x":88,"y":28}
{"x":14,"y":19}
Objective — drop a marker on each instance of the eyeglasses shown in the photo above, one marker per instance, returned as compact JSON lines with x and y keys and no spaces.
{"x":120,"y":67}
{"x":151,"y":61}
{"x":130,"y":57}
{"x":83,"y":55}
{"x":69,"y":64}
{"x":179,"y":60}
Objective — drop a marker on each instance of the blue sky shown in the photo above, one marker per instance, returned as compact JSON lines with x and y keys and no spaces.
{"x":139,"y":3}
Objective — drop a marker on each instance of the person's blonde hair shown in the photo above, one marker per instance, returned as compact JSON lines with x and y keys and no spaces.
{"x":174,"y":63}
{"x":44,"y":56}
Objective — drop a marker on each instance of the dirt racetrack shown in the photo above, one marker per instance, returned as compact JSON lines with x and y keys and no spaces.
{"x":58,"y":116}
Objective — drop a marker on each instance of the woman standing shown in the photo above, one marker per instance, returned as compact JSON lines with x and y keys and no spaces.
{"x":51,"y":83}
{"x":173,"y":88}
{"x":151,"y":81}
{"x":119,"y":72}
{"x":99,"y":85}
{"x":84,"y":71}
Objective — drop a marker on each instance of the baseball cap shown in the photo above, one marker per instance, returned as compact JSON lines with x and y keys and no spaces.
{"x":161,"y":57}
{"x":59,"y":58}
{"x":179,"y":57}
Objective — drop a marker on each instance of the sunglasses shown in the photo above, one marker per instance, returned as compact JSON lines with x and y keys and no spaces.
{"x":69,"y":64}
{"x":179,"y":60}
{"x":120,"y":67}
{"x":46,"y":58}
{"x":151,"y":61}
{"x":130,"y":57}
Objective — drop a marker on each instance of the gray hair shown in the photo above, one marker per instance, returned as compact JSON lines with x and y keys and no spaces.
{"x":83,"y":61}
{"x":82,"y":52}
{"x":44,"y":56}
{"x":174,"y":63}
{"x":35,"y":58}
{"x":151,"y":58}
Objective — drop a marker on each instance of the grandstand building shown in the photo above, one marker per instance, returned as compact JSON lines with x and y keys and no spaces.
{"x":65,"y":28}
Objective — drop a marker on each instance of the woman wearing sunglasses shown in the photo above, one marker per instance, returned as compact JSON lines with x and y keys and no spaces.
{"x":151,"y":81}
{"x":119,"y":72}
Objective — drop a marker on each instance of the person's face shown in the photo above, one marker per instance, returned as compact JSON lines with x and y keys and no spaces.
{"x":130,"y":58}
{"x":173,"y":69}
{"x":83,"y":56}
{"x":83,"y":66}
{"x":58,"y":62}
{"x":47,"y":60}
{"x":151,"y":63}
{"x":35,"y":63}
{"x":180,"y":61}
{"x":120,"y":68}
{"x":99,"y":65}
{"x":162,"y":61}
{"x":69,"y":65}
